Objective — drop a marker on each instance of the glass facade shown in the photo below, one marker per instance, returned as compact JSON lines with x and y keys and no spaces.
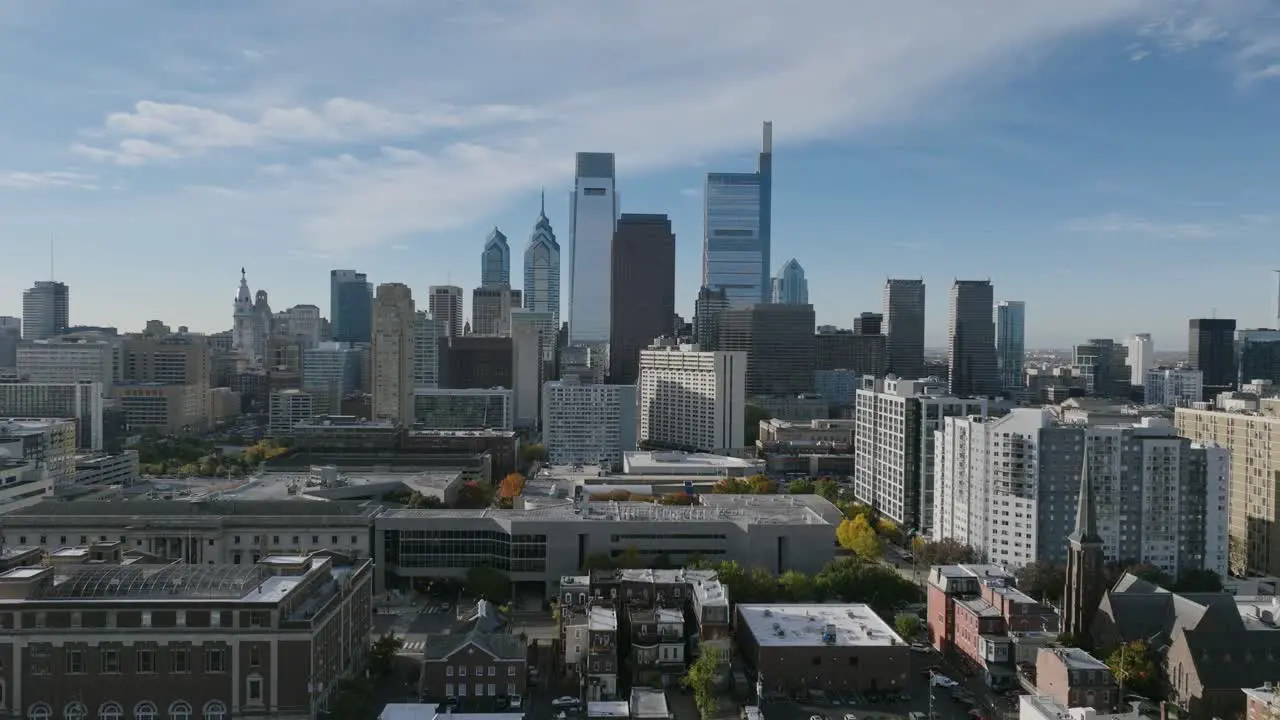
{"x":350,"y":306}
{"x":1011,"y":342}
{"x":736,"y":230}
{"x":594,"y":207}
{"x":466,"y":549}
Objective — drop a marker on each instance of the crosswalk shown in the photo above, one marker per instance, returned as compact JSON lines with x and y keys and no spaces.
{"x":413,"y":646}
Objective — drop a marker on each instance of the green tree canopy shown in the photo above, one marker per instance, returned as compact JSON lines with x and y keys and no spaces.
{"x":1135,"y":667}
{"x":1042,"y":580}
{"x":856,"y":534}
{"x":701,"y":679}
{"x":488,"y":583}
{"x":803,"y":486}
{"x":943,"y":552}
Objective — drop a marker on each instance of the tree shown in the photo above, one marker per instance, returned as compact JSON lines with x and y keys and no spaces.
{"x":677,"y":498}
{"x":761,"y":485}
{"x":511,"y":486}
{"x":943,"y":552}
{"x":488,"y":583}
{"x":857,"y":509}
{"x":795,"y":586}
{"x":1042,"y":580}
{"x":630,"y":558}
{"x":889,"y":531}
{"x":352,"y":699}
{"x":597,"y":561}
{"x":827,"y":488}
{"x":856,"y":534}
{"x":907,"y":625}
{"x":803,"y":486}
{"x":701,"y":679}
{"x":1198,"y":581}
{"x":472,"y":496}
{"x":533,"y":452}
{"x":382,"y":654}
{"x":426,"y":502}
{"x":1135,"y":668}
{"x":851,"y":579}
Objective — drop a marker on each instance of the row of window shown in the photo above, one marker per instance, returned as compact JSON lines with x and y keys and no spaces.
{"x":145,"y":710}
{"x":480,"y":671}
{"x":145,"y":660}
{"x":275,"y":539}
{"x":460,"y":690}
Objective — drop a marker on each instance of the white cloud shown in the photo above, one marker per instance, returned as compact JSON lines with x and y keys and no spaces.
{"x":1122,"y":225}
{"x":15,"y":180}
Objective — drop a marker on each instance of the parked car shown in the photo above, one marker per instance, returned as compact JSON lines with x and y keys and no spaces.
{"x":565,"y":701}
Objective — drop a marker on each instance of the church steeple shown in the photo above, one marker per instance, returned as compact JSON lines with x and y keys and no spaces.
{"x":1086,"y":530}
{"x":1085,"y":585}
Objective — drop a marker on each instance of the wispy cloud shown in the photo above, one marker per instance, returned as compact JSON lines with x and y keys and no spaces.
{"x":15,"y":180}
{"x":1248,"y":29}
{"x":1136,"y":227}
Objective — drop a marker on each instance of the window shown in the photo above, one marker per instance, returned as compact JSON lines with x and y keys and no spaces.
{"x":511,"y":689}
{"x":213,"y":710}
{"x":479,"y":689}
{"x":146,"y":660}
{"x":110,"y":711}
{"x":462,"y":690}
{"x":492,"y":690}
{"x":275,"y":539}
{"x":448,"y":672}
{"x":448,"y":689}
{"x":492,"y":671}
{"x":255,"y":689}
{"x":215,"y":659}
{"x":179,"y":710}
{"x":146,"y":618}
{"x":479,"y":671}
{"x":75,"y":710}
{"x":145,"y":710}
{"x":295,"y":539}
{"x":462,"y":671}
{"x":255,"y":656}
{"x":236,"y":539}
{"x":181,"y":662}
{"x":354,"y":541}
{"x":511,"y":671}
{"x":315,"y":539}
{"x":39,"y":711}
{"x":75,"y":661}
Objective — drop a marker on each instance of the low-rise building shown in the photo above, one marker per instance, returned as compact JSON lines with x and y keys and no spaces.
{"x":1075,"y":678}
{"x":657,"y":644}
{"x":164,"y":407}
{"x":478,"y":665}
{"x":37,"y":458}
{"x":832,"y":647}
{"x":107,"y":469}
{"x":287,"y":409}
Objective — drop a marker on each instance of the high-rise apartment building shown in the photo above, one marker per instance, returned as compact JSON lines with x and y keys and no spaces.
{"x":588,"y":424}
{"x":10,"y":335}
{"x":1141,"y":357}
{"x":971,"y":356}
{"x":692,"y":400}
{"x":643,"y":288}
{"x":779,"y":343}
{"x":1173,"y":387}
{"x":1009,"y":487}
{"x":737,"y":224}
{"x":1259,"y":355}
{"x":1100,"y":365}
{"x":904,"y":328}
{"x":594,"y":213}
{"x":427,"y":332}
{"x":65,"y":361}
{"x":350,"y":306}
{"x":894,"y":445}
{"x":391,"y":356}
{"x":495,"y":261}
{"x":1211,"y":350}
{"x":789,"y":286}
{"x":1253,"y":439}
{"x":445,"y":303}
{"x":542,"y":268}
{"x":491,"y":310}
{"x":1011,"y":344}
{"x":45,"y":310}
{"x":706,"y":316}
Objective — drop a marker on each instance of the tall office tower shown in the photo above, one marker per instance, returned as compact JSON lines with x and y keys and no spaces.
{"x":904,"y":328}
{"x":778,"y":341}
{"x":544,"y":326}
{"x":737,"y":220}
{"x":588,"y":424}
{"x":300,"y":323}
{"x":542,"y":268}
{"x":789,"y":286}
{"x":706,"y":316}
{"x":1211,"y":350}
{"x":643,"y":288}
{"x":63,"y":361}
{"x":971,"y":356}
{"x":1140,"y":358}
{"x":868,"y":323}
{"x":495,"y":261}
{"x":392,"y":353}
{"x":45,"y":310}
{"x":1007,"y":486}
{"x":475,"y":362}
{"x":491,"y":310}
{"x":445,"y":304}
{"x":1173,"y":387}
{"x":330,"y":372}
{"x":10,"y":334}
{"x":844,"y":350}
{"x":1011,"y":344}
{"x":1100,"y":365}
{"x":894,"y":465}
{"x":1253,"y":440}
{"x":350,"y":306}
{"x":526,"y":372}
{"x":1259,"y":355}
{"x":427,"y":332}
{"x":692,"y":400}
{"x":594,"y":216}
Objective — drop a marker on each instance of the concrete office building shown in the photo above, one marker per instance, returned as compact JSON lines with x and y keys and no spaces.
{"x":491,"y":310}
{"x":495,"y":261}
{"x":537,"y":546}
{"x":445,"y":304}
{"x":162,"y":407}
{"x":542,"y":268}
{"x":330,"y":372}
{"x":737,"y":230}
{"x":643,"y":288}
{"x":779,"y":343}
{"x":350,"y":306}
{"x":10,"y":336}
{"x":45,"y":310}
{"x":532,"y":365}
{"x":1140,"y":358}
{"x":1211,"y":350}
{"x":391,"y":356}
{"x":287,"y":409}
{"x":300,"y":324}
{"x":869,"y":323}
{"x":1011,"y":344}
{"x":1100,"y":365}
{"x":904,"y":327}
{"x":427,"y":333}
{"x":37,"y":457}
{"x":588,"y":424}
{"x":471,"y":409}
{"x":173,"y":360}
{"x":82,"y":402}
{"x":692,"y":400}
{"x":844,"y":350}
{"x":62,"y":361}
{"x":1008,"y":487}
{"x":971,"y":354}
{"x":1173,"y":387}
{"x":593,"y":211}
{"x":894,"y":445}
{"x":789,"y":286}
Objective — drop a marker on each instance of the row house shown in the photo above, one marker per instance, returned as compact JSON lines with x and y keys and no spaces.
{"x":657,"y":645}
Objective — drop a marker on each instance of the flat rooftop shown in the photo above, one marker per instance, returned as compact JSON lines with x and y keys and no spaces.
{"x":91,"y":512}
{"x":1075,"y":658}
{"x":276,"y":485}
{"x":852,"y":625}
{"x":603,"y":618}
{"x":667,"y":463}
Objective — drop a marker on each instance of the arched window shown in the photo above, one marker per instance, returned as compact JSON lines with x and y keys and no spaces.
{"x":145,"y":710}
{"x":39,"y":711}
{"x":110,"y":710}
{"x":75,"y":710}
{"x":215,"y":710}
{"x":179,"y":710}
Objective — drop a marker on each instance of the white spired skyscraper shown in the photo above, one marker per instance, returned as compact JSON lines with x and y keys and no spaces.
{"x":594,"y":209}
{"x":542,"y":268}
{"x":789,"y":286}
{"x":495,"y":261}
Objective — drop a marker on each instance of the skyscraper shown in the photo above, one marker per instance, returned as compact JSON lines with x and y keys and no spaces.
{"x":643,"y":289}
{"x":789,"y":286}
{"x":904,"y":327}
{"x":706,"y":316}
{"x":542,"y":268}
{"x":971,"y":357}
{"x":594,"y":208}
{"x":495,"y":261}
{"x":350,"y":306}
{"x":737,"y":220}
{"x":393,"y":353}
{"x":779,"y":343}
{"x":45,"y":310}
{"x":491,"y":310}
{"x":1140,"y":358}
{"x":445,"y":304}
{"x":1011,"y":343}
{"x":1211,"y":350}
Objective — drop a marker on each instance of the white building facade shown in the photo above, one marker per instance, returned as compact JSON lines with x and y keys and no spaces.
{"x":594,"y":208}
{"x":1173,"y":387}
{"x":691,"y":399}
{"x":1141,"y":357}
{"x":59,"y":361}
{"x":588,"y":424}
{"x":82,"y":401}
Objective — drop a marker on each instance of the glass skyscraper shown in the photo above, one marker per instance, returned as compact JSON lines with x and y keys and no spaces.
{"x":350,"y":306}
{"x":495,"y":261}
{"x":736,"y":230}
{"x":790,"y":286}
{"x":1011,"y":342}
{"x":594,"y":214}
{"x":542,"y":269}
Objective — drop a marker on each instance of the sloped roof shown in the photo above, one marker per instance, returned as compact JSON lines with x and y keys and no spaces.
{"x":483,"y":629}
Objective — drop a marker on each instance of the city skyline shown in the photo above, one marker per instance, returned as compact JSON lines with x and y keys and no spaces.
{"x":1027,"y":169}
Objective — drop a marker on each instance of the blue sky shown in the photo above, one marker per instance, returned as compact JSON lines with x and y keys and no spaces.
{"x":1110,"y":162}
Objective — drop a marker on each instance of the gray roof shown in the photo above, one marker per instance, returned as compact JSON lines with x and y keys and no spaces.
{"x":484,"y":630}
{"x":197,"y":508}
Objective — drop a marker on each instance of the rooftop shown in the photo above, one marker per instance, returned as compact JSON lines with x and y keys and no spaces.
{"x":644,"y":461}
{"x":89,"y":513}
{"x":603,"y":618}
{"x":1075,"y":658}
{"x":814,"y":625}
